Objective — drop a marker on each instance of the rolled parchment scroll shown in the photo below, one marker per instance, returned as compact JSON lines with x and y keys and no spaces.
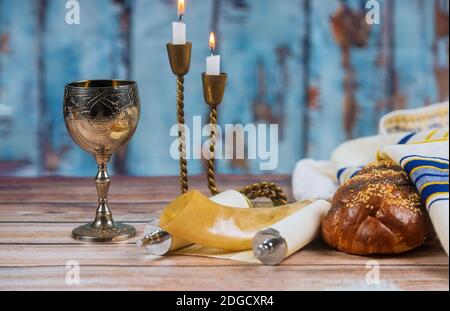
{"x":272,"y":245}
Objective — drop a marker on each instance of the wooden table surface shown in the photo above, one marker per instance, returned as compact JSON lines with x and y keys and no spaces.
{"x":37,"y":216}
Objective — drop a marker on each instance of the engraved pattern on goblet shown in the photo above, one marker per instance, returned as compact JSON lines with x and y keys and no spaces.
{"x":101,"y":116}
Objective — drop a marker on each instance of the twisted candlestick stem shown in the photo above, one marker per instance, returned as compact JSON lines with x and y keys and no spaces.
{"x":211,"y":162}
{"x":181,"y":135}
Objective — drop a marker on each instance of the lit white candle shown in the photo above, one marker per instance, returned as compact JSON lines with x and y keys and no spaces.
{"x":179,"y":28}
{"x":213,"y":61}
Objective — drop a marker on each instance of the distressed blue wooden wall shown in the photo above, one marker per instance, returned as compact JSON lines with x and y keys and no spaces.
{"x":285,"y":62}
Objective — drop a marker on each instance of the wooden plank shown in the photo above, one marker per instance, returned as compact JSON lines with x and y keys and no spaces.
{"x":74,"y":200}
{"x":53,"y":241}
{"x":53,"y":236}
{"x":36,"y":244}
{"x":316,"y":254}
{"x":74,"y":212}
{"x":264,"y":71}
{"x":159,"y":181}
{"x":104,"y":46}
{"x":47,"y":233}
{"x":327,"y":79}
{"x":96,"y":255}
{"x":123,"y":189}
{"x":64,"y":212}
{"x":226,"y":278}
{"x":414,"y":35}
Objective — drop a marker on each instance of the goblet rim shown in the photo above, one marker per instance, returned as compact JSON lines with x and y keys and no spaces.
{"x":101,"y":84}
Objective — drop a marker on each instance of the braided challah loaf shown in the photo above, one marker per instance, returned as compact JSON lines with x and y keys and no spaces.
{"x":378,"y":211}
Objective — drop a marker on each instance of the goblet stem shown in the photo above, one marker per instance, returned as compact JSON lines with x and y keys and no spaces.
{"x":103,"y":216}
{"x":103,"y":229}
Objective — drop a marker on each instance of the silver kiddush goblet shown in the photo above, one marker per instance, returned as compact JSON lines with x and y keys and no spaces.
{"x":101,"y":116}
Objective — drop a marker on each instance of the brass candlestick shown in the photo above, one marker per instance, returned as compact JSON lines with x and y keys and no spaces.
{"x":180,"y":61}
{"x":213,"y":92}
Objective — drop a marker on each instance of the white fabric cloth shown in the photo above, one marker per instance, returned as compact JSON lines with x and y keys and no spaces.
{"x":313,"y":180}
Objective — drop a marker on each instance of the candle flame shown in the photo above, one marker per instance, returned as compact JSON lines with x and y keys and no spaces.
{"x":181,"y":8}
{"x":212,"y":42}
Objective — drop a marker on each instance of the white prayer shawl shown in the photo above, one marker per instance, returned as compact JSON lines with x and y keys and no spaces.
{"x":427,"y":165}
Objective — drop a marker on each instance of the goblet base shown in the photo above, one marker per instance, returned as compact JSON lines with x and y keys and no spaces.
{"x":90,"y":233}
